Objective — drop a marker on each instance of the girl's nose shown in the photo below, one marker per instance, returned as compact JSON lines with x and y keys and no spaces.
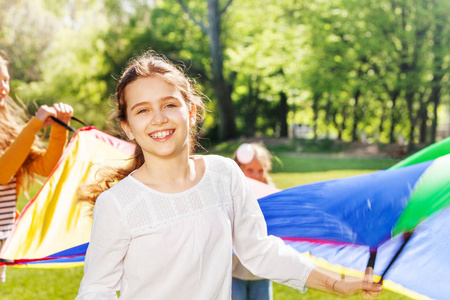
{"x":257,"y":176}
{"x":159,"y":117}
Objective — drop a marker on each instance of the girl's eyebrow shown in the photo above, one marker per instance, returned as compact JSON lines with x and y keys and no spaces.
{"x":163,"y":99}
{"x":139,"y":104}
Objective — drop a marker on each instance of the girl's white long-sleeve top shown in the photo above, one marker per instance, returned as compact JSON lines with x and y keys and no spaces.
{"x":152,"y":245}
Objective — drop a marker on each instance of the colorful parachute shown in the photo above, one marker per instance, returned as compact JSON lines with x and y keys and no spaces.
{"x":53,"y":230}
{"x":340,"y":221}
{"x":337,"y":222}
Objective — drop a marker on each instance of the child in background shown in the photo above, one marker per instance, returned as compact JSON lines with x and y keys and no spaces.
{"x":21,"y":155}
{"x":256,"y":163}
{"x":166,"y":230}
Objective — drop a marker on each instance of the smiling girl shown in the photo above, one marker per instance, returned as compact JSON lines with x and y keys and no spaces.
{"x":166,"y":230}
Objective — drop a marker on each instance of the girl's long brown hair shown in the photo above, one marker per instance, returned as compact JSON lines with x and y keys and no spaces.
{"x":149,"y":64}
{"x":12,"y":119}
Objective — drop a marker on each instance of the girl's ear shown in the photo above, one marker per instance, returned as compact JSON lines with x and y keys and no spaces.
{"x":127,"y":130}
{"x":192,"y":115}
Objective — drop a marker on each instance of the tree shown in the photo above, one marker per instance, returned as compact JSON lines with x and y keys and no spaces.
{"x":227,"y":125}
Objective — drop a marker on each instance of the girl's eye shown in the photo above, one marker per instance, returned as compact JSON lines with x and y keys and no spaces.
{"x":142,"y":111}
{"x":170,"y":105}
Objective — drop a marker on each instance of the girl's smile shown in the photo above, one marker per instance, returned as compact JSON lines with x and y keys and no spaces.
{"x":161,"y":135}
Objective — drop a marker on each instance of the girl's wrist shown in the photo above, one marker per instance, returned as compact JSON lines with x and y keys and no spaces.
{"x":36,"y":123}
{"x":331,"y":285}
{"x":334,"y":288}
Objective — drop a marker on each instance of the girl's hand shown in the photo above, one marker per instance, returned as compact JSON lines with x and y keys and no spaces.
{"x":44,"y":112}
{"x":327,"y":281}
{"x":63,"y":112}
{"x":368,"y":277}
{"x":368,"y":289}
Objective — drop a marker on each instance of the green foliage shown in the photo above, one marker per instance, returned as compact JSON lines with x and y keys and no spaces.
{"x":351,"y":69}
{"x":19,"y":21}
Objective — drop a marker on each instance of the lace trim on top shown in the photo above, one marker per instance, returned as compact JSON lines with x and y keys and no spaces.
{"x":146,"y":210}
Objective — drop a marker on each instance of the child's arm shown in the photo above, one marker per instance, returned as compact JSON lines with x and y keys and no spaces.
{"x":15,"y":155}
{"x":268,"y":256}
{"x":264,"y":256}
{"x":108,"y":246}
{"x":44,"y":164}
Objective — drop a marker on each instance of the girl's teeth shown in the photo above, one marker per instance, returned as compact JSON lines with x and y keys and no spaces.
{"x":161,"y":134}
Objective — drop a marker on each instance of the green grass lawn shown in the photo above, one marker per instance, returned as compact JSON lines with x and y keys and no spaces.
{"x":61,"y":284}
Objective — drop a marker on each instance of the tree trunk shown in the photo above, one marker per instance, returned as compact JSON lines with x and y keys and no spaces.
{"x":395,"y":116}
{"x":356,"y":116}
{"x":283,"y":110}
{"x":409,"y":97}
{"x":435,"y":99}
{"x":382,"y":119}
{"x":423,"y":118}
{"x":315,"y":106}
{"x":227,"y":125}
{"x":222,"y":91}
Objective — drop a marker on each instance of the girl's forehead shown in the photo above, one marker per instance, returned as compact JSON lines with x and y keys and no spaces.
{"x":151,"y":89}
{"x":254,"y":164}
{"x":155,"y":85}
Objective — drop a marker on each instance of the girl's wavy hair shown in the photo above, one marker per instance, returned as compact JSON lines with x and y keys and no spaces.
{"x":12,"y":119}
{"x":149,"y":64}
